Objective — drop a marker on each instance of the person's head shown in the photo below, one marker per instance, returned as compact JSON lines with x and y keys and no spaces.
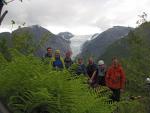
{"x":101,"y":63}
{"x":115,"y":62}
{"x":57,"y":53}
{"x":91,"y":61}
{"x":49,"y":50}
{"x":80,"y":60}
{"x":68,"y":54}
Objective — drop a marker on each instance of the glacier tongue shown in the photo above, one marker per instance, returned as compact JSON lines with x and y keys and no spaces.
{"x":77,"y":42}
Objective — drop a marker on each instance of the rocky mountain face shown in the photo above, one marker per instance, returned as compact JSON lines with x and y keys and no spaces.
{"x":35,"y":39}
{"x":94,"y":36}
{"x":97,"y":46}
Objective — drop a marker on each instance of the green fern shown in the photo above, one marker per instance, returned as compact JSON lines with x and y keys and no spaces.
{"x":29,"y":86}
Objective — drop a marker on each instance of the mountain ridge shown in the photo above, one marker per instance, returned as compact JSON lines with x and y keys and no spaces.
{"x":96,"y":47}
{"x":35,"y":39}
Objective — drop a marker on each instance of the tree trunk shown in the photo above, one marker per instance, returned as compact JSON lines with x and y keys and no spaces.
{"x":3,"y":15}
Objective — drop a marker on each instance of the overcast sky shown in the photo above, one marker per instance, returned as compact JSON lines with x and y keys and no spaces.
{"x":76,"y":16}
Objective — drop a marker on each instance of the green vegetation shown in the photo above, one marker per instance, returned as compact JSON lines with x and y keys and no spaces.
{"x":27,"y":85}
{"x":4,"y":50}
{"x":23,"y":42}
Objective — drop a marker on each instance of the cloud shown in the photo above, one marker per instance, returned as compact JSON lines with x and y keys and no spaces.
{"x":82,"y":16}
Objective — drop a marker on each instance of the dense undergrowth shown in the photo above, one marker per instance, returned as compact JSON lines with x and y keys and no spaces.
{"x":27,"y":85}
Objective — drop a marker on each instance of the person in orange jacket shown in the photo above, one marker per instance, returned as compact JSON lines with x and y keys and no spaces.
{"x":115,"y":79}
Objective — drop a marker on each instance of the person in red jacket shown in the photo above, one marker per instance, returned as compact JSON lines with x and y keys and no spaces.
{"x":115,"y":79}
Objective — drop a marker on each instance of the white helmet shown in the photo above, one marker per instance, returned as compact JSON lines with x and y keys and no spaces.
{"x":101,"y":62}
{"x":148,"y":80}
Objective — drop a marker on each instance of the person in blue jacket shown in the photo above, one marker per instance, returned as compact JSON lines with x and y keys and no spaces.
{"x":58,"y":61}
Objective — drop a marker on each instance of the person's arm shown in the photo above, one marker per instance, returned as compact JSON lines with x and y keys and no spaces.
{"x":95,"y":71}
{"x":87,"y":71}
{"x":93,"y":76}
{"x":63,"y":63}
{"x":123,"y":78}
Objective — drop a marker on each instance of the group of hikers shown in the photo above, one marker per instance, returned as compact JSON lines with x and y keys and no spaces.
{"x":98,"y":74}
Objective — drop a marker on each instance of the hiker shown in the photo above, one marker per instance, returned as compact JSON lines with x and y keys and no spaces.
{"x":92,"y":72}
{"x":101,"y":72}
{"x":68,"y":61}
{"x":58,"y":62}
{"x":148,"y":81}
{"x":49,"y":53}
{"x":48,"y":56}
{"x":115,"y":79}
{"x":81,"y":69}
{"x":148,"y":86}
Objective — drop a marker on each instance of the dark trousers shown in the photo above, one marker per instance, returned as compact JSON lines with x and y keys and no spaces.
{"x":101,"y":80}
{"x":116,"y":95}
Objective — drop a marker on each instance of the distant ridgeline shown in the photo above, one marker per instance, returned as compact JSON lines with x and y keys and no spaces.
{"x":135,"y":44}
{"x":34,"y":39}
{"x":97,"y":46}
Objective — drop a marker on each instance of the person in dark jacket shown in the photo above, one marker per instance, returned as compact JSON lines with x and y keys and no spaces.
{"x":81,"y":69}
{"x":68,"y":61}
{"x":49,"y":53}
{"x":92,"y":72}
{"x":47,"y":58}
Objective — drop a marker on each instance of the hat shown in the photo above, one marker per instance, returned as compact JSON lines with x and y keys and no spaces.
{"x":101,"y":62}
{"x":57,"y":51}
{"x":148,"y":80}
